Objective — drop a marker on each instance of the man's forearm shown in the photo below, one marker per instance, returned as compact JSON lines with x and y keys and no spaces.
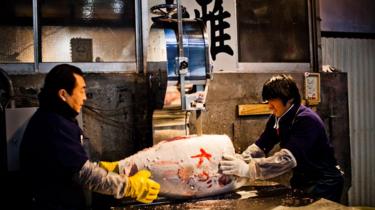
{"x":275,"y":165}
{"x":253,"y":151}
{"x":99,"y":180}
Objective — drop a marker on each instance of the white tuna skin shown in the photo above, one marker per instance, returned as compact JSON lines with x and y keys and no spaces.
{"x":186,"y":167}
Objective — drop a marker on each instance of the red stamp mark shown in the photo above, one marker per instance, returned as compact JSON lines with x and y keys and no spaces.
{"x":201,"y":157}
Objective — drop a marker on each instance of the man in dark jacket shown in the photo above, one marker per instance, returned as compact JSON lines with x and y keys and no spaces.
{"x":305,"y":147}
{"x":52,"y":158}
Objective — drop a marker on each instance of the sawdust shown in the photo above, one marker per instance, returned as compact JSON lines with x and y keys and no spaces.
{"x":321,"y":204}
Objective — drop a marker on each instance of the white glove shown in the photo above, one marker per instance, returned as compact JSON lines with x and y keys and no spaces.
{"x":239,"y":156}
{"x":231,"y":165}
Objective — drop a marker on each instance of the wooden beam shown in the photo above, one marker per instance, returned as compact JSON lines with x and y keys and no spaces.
{"x":260,"y":109}
{"x":253,"y":109}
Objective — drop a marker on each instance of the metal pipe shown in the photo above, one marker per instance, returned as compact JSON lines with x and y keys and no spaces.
{"x":139,"y":36}
{"x":310,"y":35}
{"x":199,"y":123}
{"x":36,"y":35}
{"x":145,"y":32}
{"x":312,"y":15}
{"x":182,"y":72}
{"x":180,"y":32}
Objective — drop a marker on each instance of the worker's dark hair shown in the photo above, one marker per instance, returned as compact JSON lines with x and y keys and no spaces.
{"x":60,"y":77}
{"x":283,"y":87}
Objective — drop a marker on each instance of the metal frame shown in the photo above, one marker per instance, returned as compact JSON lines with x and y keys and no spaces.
{"x":312,"y":66}
{"x":272,"y":67}
{"x":182,"y":71}
{"x":43,"y":67}
{"x":27,"y":68}
{"x":36,"y":37}
{"x":140,"y":60}
{"x":140,"y":66}
{"x":313,"y":35}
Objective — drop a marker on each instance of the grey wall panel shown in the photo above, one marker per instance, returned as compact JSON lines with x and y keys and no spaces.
{"x":356,"y":56}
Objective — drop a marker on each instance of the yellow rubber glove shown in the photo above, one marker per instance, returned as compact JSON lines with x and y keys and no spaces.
{"x":109,"y":166}
{"x":141,"y":187}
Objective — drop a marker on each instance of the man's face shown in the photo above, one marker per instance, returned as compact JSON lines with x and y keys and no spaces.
{"x":78,"y":96}
{"x":277,"y":106}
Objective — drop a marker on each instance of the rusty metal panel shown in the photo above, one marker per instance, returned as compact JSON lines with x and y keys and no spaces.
{"x":356,"y":56}
{"x":347,"y":16}
{"x":333,"y":110}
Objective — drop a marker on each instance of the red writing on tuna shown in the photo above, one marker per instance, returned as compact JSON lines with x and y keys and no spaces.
{"x":201,"y":157}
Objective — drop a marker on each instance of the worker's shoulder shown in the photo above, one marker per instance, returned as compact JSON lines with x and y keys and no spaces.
{"x":305,"y":114}
{"x":48,"y":118}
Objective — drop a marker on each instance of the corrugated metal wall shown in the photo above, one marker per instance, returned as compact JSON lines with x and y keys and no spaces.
{"x":357,"y":57}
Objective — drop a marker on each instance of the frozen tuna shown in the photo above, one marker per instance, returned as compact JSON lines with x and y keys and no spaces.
{"x":186,"y":166}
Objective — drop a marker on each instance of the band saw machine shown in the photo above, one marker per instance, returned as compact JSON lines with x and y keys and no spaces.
{"x":179,"y":69}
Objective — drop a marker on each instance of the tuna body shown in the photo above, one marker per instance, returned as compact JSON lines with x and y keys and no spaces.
{"x":186,"y":167}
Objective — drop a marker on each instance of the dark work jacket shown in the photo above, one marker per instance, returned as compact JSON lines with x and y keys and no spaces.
{"x":50,"y":153}
{"x":302,"y":132}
